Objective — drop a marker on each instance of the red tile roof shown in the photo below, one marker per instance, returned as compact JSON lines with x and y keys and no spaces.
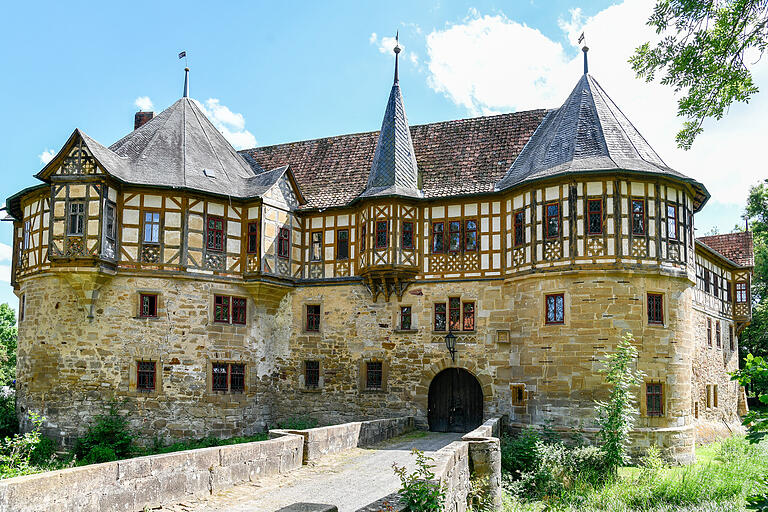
{"x":734,"y":246}
{"x":467,"y":156}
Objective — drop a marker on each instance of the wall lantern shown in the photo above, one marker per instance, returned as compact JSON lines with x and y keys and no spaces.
{"x":450,"y":344}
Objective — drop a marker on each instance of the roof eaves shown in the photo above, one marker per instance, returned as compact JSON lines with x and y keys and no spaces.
{"x":728,"y":260}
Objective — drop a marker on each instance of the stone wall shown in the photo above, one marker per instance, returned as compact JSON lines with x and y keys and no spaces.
{"x":453,"y":472}
{"x":133,"y":484}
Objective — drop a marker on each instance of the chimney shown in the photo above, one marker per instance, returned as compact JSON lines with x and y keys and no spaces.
{"x":141,"y":119}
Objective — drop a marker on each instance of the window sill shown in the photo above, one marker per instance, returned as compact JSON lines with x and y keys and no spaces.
{"x":405,"y":331}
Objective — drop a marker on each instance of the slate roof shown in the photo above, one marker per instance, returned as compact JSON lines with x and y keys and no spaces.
{"x":737,"y":247}
{"x":466,"y":156}
{"x":394,"y":170}
{"x":589,"y":133}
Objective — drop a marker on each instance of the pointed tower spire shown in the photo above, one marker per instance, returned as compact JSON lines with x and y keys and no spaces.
{"x":585,"y":49}
{"x":394,"y":170}
{"x":186,"y":82}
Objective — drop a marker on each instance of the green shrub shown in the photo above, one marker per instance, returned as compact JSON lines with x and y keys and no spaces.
{"x":587,"y":465}
{"x":108,"y":432}
{"x":519,"y":454}
{"x":419,"y":492}
{"x":298,"y":423}
{"x":16,"y":451}
{"x":44,"y":452}
{"x":9,"y":423}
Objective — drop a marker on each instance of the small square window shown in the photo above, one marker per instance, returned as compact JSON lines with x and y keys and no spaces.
{"x":555,"y":308}
{"x":311,"y":374}
{"x":148,"y":305}
{"x":655,"y":308}
{"x":405,"y":318}
{"x":228,"y":377}
{"x":145,"y":375}
{"x":373,"y":375}
{"x":313,"y":317}
{"x":654,"y":401}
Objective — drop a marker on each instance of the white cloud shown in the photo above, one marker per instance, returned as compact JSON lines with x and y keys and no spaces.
{"x":385,"y":44}
{"x":46,"y":156}
{"x":6,"y":252}
{"x":5,"y":273}
{"x":143,"y":103}
{"x":372,"y":39}
{"x":230,"y":124}
{"x":495,"y":64}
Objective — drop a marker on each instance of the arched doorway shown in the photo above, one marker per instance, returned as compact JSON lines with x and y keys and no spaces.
{"x":455,"y":401}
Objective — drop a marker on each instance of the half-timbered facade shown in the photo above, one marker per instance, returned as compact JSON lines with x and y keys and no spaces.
{"x":220,"y":291}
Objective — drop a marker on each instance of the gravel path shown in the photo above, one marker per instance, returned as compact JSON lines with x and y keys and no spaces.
{"x":349,"y":480}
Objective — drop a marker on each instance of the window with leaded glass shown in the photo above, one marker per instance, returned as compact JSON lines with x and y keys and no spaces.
{"x":454,"y":314}
{"x":741,"y":292}
{"x":110,"y":225}
{"x":672,"y":221}
{"x":76,"y":218}
{"x":27,"y":235}
{"x":316,"y":246}
{"x":362,"y":237}
{"x":470,"y":235}
{"x":438,"y":237}
{"x":151,"y":229}
{"x":147,"y":305}
{"x":519,"y":228}
{"x":239,"y":310}
{"x":468,"y":316}
{"x":730,"y":338}
{"x":406,"y":241}
{"x":555,"y":312}
{"x":405,"y":318}
{"x":342,"y":244}
{"x":709,"y":332}
{"x":382,"y":234}
{"x":313,"y":317}
{"x":653,"y":399}
{"x":253,"y":238}
{"x":718,"y":339}
{"x":655,"y":308}
{"x":440,"y":319}
{"x":553,"y":219}
{"x":311,"y":374}
{"x":236,"y":378}
{"x":145,"y":376}
{"x":715,"y":285}
{"x":283,"y":243}
{"x":595,"y":216}
{"x":214,"y":233}
{"x":373,"y":375}
{"x":221,"y":308}
{"x":219,"y":377}
{"x":454,"y":236}
{"x":707,"y":280}
{"x":638,"y":216}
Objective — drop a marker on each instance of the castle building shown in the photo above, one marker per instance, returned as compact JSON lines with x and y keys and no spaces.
{"x":450,"y":271}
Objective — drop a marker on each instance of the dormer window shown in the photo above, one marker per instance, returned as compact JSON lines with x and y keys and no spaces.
{"x":210,"y":173}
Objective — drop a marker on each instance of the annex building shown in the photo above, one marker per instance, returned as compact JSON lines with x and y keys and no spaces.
{"x":214,"y":291}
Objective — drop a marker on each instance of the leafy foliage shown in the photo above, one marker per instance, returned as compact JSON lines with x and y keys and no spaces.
{"x":754,"y":339}
{"x":16,"y":451}
{"x":298,"y":423}
{"x":616,"y":417}
{"x":705,"y":51}
{"x":9,"y":423}
{"x":8,"y":339}
{"x":419,"y":491}
{"x":108,"y":438}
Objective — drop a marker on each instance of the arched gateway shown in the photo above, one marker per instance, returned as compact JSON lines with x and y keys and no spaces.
{"x":455,"y":401}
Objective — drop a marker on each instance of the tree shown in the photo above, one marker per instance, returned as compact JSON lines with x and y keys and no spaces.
{"x":754,"y":339}
{"x":705,"y":52}
{"x":8,"y":336}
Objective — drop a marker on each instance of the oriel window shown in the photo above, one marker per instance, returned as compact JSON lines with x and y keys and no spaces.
{"x":438,"y":238}
{"x":638,"y":216}
{"x":519,"y":228}
{"x":655,"y":308}
{"x":654,"y":399}
{"x":316,"y":246}
{"x":468,"y":316}
{"x":151,"y":228}
{"x":553,"y":220}
{"x":382,"y":234}
{"x":373,"y":375}
{"x":405,"y":318}
{"x":454,"y":236}
{"x":283,"y":243}
{"x":555,"y":312}
{"x":406,"y":241}
{"x":215,"y":233}
{"x":253,"y":237}
{"x":470,"y":235}
{"x":440,"y":319}
{"x":741,"y":292}
{"x":76,"y":222}
{"x":313,"y":317}
{"x":672,"y":221}
{"x":595,"y":216}
{"x":145,"y":376}
{"x":342,"y":244}
{"x":311,"y":374}
{"x":147,"y":305}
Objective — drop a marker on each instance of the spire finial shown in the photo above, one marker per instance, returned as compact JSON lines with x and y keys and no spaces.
{"x":397,"y":51}
{"x":186,"y":82}
{"x":585,"y":49}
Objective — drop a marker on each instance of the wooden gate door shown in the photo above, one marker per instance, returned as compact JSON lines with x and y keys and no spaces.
{"x":455,"y":401}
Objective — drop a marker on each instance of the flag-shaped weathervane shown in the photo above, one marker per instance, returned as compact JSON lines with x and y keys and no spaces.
{"x":581,"y":39}
{"x":184,"y":54}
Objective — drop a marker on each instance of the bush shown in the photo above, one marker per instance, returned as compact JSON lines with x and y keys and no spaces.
{"x":419,"y":492}
{"x":107,"y":436}
{"x":519,"y":454}
{"x":298,"y":423}
{"x":16,"y":451}
{"x":587,"y":465}
{"x":44,"y":452}
{"x":9,"y":423}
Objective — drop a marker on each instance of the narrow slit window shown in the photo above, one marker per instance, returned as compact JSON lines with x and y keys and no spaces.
{"x":470,"y":235}
{"x":553,"y":220}
{"x":519,"y":228}
{"x":653,"y":397}
{"x":709,"y":332}
{"x":362,"y":237}
{"x":311,"y":374}
{"x":406,"y":241}
{"x":595,"y":216}
{"x":454,"y":314}
{"x":438,"y":238}
{"x":253,"y":237}
{"x":555,"y":312}
{"x":342,"y":244}
{"x":454,"y":236}
{"x":718,"y":339}
{"x":284,"y":243}
{"x":151,"y":228}
{"x":145,"y":375}
{"x":382,"y":234}
{"x":638,"y":216}
{"x":730,"y":338}
{"x":373,"y":375}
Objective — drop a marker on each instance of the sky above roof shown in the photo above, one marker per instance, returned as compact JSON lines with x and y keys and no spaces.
{"x":281,"y":72}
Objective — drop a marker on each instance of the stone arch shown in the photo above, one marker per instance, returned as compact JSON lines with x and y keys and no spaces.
{"x":430,"y":371}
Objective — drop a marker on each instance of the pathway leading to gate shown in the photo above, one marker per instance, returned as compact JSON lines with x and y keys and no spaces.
{"x":350,"y":480}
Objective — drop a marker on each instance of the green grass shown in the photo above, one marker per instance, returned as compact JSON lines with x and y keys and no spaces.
{"x":723,"y":476}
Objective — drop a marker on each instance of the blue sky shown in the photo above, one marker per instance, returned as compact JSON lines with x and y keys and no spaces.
{"x":283,"y":71}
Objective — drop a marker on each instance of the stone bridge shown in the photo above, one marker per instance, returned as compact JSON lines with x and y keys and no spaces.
{"x":343,"y":467}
